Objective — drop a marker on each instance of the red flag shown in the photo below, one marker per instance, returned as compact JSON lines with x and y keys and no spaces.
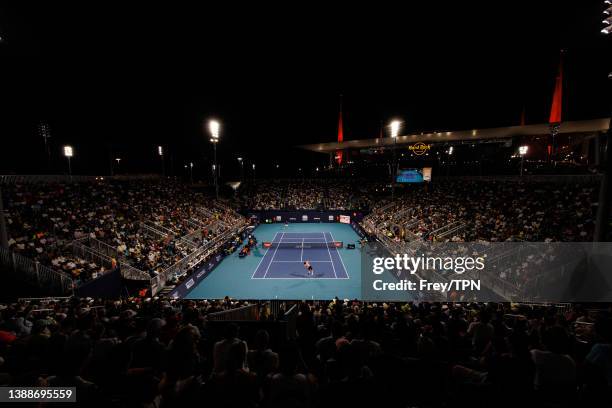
{"x":555,"y":109}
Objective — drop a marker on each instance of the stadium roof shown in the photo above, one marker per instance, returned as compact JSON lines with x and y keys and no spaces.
{"x":585,"y":127}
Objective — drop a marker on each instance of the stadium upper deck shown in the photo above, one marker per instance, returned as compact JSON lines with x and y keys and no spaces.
{"x":587,"y":129}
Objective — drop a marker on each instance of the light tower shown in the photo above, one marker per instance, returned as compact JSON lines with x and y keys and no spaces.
{"x":69,"y":152}
{"x":214,"y":127}
{"x":395,"y":128}
{"x":160,"y":152}
{"x":522,"y":152}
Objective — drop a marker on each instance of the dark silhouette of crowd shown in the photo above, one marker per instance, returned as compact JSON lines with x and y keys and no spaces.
{"x":168,"y":353}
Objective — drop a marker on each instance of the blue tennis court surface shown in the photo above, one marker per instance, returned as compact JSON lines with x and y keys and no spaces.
{"x":279,"y":273}
{"x":288,"y":263}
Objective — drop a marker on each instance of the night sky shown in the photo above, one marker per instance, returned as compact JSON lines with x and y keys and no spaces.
{"x":116,"y":80}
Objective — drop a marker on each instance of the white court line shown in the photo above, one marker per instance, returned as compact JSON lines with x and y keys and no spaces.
{"x":302,"y":252}
{"x":302,"y":234}
{"x":339,"y":256}
{"x":262,"y":258}
{"x":331,"y":260}
{"x":306,"y":240}
{"x":273,"y":255}
{"x":307,"y":279}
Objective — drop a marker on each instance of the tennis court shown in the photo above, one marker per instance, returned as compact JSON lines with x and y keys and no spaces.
{"x":289,"y":250}
{"x":278,"y":272}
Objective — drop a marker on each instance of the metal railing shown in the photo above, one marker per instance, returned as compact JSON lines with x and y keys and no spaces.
{"x":204,"y":211}
{"x":47,"y":279}
{"x":155,"y":230}
{"x":535,"y":178}
{"x":244,"y":313}
{"x":83,"y":252}
{"x":44,"y":300}
{"x":192,"y":238}
{"x":65,"y":178}
{"x":291,"y":318}
{"x":448,"y":230}
{"x":131,"y":273}
{"x":158,"y":282}
{"x":98,"y":251}
{"x":103,"y":248}
{"x":210,"y":248}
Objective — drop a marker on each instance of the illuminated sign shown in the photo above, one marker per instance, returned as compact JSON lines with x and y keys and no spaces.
{"x":419,"y":148}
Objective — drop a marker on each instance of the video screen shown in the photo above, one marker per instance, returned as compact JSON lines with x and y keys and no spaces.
{"x":409,"y":176}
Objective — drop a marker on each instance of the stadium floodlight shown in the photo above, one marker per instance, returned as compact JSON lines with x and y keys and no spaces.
{"x":214,"y":128}
{"x":450,"y":150}
{"x":522,"y":152}
{"x":241,"y":161}
{"x":395,"y":127}
{"x":69,"y":152}
{"x":160,"y":152}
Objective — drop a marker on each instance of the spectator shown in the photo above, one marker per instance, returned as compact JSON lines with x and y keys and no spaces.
{"x":222,"y":348}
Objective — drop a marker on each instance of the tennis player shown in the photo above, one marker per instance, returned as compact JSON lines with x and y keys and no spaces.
{"x":309,"y":270}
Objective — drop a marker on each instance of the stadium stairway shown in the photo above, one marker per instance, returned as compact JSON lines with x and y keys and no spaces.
{"x":165,"y":292}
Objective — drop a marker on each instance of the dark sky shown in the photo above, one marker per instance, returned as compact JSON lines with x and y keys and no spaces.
{"x":124,"y":78}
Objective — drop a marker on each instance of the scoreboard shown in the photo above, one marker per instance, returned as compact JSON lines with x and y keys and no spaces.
{"x":413,"y":175}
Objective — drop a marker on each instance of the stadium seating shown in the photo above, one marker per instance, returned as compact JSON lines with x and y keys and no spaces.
{"x":174,"y":353}
{"x":151,"y":225}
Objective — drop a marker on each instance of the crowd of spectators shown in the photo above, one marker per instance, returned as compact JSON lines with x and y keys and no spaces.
{"x":44,"y":218}
{"x":307,"y":194}
{"x":486,"y":212}
{"x":152,"y":225}
{"x":490,"y":211}
{"x":167,"y":353}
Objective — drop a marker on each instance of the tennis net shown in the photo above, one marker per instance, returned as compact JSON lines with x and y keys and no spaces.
{"x":302,"y":245}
